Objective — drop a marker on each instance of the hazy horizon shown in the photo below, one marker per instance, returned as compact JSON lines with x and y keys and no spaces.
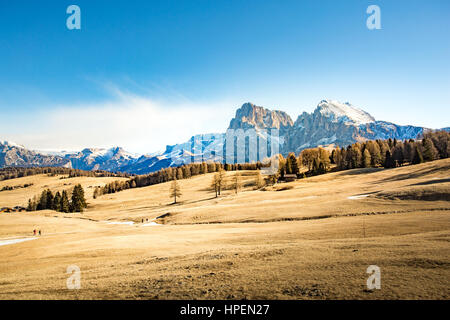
{"x":176,"y":139}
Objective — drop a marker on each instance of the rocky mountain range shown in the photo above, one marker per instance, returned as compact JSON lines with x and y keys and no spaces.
{"x":331,"y":122}
{"x":342,"y":124}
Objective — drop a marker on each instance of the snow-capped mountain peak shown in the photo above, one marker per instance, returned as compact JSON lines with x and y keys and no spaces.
{"x":114,"y":152}
{"x":119,"y":152}
{"x":344,"y":112}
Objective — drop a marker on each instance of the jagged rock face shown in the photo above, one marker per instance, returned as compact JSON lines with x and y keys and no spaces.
{"x":311,"y":130}
{"x":251,"y":116}
{"x":331,"y":122}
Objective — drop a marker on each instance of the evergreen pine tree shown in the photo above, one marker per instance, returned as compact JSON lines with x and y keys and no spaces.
{"x":30,"y":205}
{"x":408,"y":153}
{"x":81,"y":195}
{"x":49,"y":201}
{"x":388,"y":162}
{"x":57,"y":202}
{"x":390,"y":143}
{"x":282,"y":171}
{"x":292,"y":161}
{"x":333,"y":157}
{"x":398,"y":155}
{"x":78,"y":201}
{"x":42,"y":201}
{"x":64,"y":206}
{"x":322,"y":169}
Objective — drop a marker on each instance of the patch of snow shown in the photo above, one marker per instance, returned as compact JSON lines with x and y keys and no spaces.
{"x":360,"y":196}
{"x":305,"y":145}
{"x":107,"y":153}
{"x":327,"y":140}
{"x":151,"y":224}
{"x":344,"y":112}
{"x":50,"y":152}
{"x":13,"y":241}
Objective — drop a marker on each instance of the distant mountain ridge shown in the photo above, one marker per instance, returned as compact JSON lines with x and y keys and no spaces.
{"x":331,"y":122}
{"x":342,"y":124}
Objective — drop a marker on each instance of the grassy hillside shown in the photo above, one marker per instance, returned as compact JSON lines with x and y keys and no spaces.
{"x":309,"y":239}
{"x":43,"y":181}
{"x":359,"y":191}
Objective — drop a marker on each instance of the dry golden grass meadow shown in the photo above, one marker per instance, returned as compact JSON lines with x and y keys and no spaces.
{"x":309,"y":239}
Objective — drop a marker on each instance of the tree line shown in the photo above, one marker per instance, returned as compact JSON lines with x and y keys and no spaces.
{"x":60,"y":201}
{"x":390,"y":153}
{"x":19,"y":172}
{"x":9,"y":188}
{"x":169,"y":174}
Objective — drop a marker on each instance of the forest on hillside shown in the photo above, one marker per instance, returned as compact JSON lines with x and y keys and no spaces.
{"x":388,"y":153}
{"x":19,"y":172}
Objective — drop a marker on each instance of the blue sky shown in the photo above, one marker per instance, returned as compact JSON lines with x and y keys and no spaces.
{"x":143,"y":74}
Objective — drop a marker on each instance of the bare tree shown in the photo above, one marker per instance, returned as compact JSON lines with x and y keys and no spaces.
{"x":215,"y":184}
{"x":259,"y":181}
{"x":220,"y":180}
{"x":175,"y":191}
{"x":236,"y":182}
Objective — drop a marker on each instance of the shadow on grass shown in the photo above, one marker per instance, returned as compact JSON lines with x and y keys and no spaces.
{"x":430,"y":182}
{"x":355,"y":172}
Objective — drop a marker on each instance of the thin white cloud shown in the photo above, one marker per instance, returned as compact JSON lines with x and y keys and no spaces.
{"x":139,"y":124}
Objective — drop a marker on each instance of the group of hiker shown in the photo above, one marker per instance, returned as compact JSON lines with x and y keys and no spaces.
{"x":36,"y":231}
{"x":146,"y":220}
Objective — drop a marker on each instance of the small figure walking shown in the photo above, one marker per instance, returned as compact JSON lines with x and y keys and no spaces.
{"x":34,"y":232}
{"x":39,"y":232}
